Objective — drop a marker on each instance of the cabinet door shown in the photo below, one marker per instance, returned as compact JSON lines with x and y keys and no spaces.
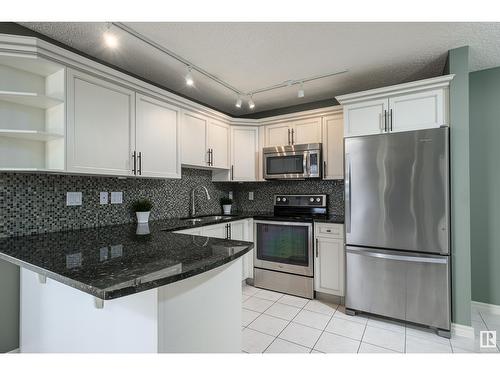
{"x":157,"y":138}
{"x":415,"y":111}
{"x":218,"y":141}
{"x":216,"y":231}
{"x":238,"y":230}
{"x":193,"y":134}
{"x":333,"y":147}
{"x":278,"y":135}
{"x":306,"y":131}
{"x":101,"y":126}
{"x":248,"y":257}
{"x":365,"y":118}
{"x":244,"y":153}
{"x":329,"y":266}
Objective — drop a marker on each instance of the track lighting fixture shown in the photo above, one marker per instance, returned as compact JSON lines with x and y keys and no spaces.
{"x":110,"y":39}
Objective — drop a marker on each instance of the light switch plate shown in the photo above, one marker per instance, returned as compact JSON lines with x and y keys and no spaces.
{"x":74,"y":198}
{"x":250,"y":195}
{"x":116,"y":197}
{"x":103,"y":197}
{"x":230,"y":195}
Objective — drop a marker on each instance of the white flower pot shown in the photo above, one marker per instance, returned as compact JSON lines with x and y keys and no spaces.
{"x":142,"y":217}
{"x":226,"y":209}
{"x":142,"y":229}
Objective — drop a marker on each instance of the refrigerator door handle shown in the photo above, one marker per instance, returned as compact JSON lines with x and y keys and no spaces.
{"x":404,"y":258}
{"x":347,"y":193}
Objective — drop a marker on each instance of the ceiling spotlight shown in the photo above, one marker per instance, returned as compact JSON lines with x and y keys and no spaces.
{"x":110,"y":39}
{"x":251,"y":103}
{"x":239,"y":102}
{"x":301,"y":93}
{"x":189,"y":77}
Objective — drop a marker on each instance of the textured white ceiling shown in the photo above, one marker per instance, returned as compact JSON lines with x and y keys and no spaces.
{"x":250,"y":56}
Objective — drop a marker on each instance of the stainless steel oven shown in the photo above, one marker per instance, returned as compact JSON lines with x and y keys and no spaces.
{"x":284,"y":250}
{"x":284,"y":246}
{"x":292,"y":162}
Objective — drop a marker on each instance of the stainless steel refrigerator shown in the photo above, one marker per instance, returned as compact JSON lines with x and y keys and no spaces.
{"x":398,"y":226}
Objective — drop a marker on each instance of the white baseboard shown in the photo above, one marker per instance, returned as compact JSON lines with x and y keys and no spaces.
{"x":486,"y":307}
{"x":14,"y":351}
{"x":461,"y":330}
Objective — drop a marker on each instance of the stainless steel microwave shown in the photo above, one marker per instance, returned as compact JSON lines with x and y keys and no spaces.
{"x":295,"y":162}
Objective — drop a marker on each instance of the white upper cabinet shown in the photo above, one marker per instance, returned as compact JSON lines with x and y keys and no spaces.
{"x":293,"y":133}
{"x":278,"y":135}
{"x":157,"y":138}
{"x":244,"y":153}
{"x":205,"y":142}
{"x":218,"y":144}
{"x":410,"y":106}
{"x":417,"y":110}
{"x":365,"y":118}
{"x":333,"y":147}
{"x":194,"y":139}
{"x":100,"y":126}
{"x":306,"y":131}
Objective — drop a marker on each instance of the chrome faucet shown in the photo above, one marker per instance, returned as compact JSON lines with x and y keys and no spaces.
{"x":193,"y":209}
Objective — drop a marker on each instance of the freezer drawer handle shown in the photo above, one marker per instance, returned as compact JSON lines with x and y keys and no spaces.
{"x":401,"y":257}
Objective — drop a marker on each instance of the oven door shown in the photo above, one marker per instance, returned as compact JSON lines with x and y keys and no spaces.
{"x":284,"y":246}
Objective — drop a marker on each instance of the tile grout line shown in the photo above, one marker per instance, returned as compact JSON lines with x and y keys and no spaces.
{"x":362,"y":337}
{"x":324,"y":330}
{"x":290,"y":321}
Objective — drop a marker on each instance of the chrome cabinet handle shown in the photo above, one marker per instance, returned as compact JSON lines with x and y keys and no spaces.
{"x":385,"y":120}
{"x":232,"y":172}
{"x":317,"y":251}
{"x":288,"y":136}
{"x":293,"y":132}
{"x":134,"y":156}
{"x":324,"y":169}
{"x":140,"y":163}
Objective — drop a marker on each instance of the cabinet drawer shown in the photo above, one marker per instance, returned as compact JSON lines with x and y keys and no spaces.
{"x":330,"y":230}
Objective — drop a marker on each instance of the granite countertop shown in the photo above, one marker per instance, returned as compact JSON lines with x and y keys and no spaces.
{"x":114,"y":261}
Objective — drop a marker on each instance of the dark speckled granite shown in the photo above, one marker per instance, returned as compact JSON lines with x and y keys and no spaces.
{"x":113,"y":261}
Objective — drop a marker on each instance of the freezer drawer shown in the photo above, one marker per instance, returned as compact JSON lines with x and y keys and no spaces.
{"x":400,"y":285}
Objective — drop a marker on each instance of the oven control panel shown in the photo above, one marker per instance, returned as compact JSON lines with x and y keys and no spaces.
{"x":291,"y":200}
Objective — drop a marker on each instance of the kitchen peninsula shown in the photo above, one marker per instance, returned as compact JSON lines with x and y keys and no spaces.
{"x":111,"y":289}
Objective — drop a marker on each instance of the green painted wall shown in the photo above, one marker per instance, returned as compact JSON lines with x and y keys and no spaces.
{"x":9,"y":307}
{"x":485,"y":184}
{"x":458,"y":64}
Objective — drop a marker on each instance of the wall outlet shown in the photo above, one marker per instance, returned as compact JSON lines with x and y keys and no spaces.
{"x":74,"y":198}
{"x":103,"y":197}
{"x":230,"y":195}
{"x":116,"y":197}
{"x":250,"y":195}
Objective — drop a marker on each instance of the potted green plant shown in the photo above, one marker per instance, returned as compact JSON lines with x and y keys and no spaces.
{"x":226,"y":205}
{"x":142,"y":208}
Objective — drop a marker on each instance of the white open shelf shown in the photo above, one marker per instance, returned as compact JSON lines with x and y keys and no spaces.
{"x":31,"y":99}
{"x":32,"y":135}
{"x":32,"y":114}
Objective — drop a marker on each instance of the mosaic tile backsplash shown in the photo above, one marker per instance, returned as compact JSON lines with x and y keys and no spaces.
{"x":264,"y":193}
{"x":36,"y":203}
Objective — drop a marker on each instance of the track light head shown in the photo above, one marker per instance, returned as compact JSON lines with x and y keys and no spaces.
{"x":251,"y":103}
{"x":189,"y":77}
{"x":301,"y":93}
{"x":239,"y":102}
{"x":110,"y":39}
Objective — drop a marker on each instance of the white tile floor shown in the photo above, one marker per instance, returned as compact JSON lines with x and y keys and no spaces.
{"x":279,"y":323}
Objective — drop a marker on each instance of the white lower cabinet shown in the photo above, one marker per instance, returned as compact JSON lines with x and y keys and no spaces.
{"x":329,"y":259}
{"x":216,"y":231}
